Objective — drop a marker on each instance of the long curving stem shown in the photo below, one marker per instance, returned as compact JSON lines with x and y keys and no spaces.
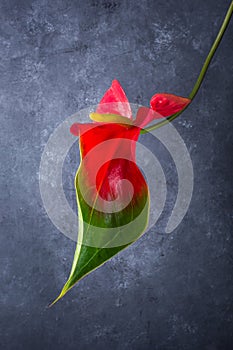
{"x":202,"y":73}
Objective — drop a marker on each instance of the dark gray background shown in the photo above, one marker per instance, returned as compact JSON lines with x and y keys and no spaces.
{"x":172,"y":292}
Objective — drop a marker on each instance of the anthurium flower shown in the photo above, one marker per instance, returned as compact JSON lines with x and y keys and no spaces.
{"x":112,"y":194}
{"x":168,"y":104}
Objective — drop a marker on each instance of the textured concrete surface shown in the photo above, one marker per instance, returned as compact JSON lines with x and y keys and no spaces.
{"x":164,"y":292}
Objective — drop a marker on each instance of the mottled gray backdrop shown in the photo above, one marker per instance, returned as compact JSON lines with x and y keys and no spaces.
{"x":166,"y":291}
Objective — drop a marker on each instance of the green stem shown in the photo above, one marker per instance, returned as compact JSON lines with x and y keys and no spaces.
{"x":202,"y":73}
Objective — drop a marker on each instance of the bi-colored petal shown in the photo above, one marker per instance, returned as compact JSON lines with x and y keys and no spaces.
{"x":112,"y":194}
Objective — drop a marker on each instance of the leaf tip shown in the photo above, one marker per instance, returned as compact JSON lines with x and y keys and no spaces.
{"x":61,"y":295}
